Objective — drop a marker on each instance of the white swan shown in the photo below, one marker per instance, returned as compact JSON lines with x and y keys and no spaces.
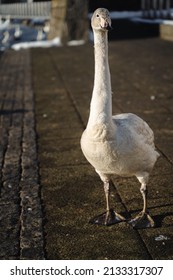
{"x":46,"y":27}
{"x":122,"y":144}
{"x":40,"y":34}
{"x":5,"y":24}
{"x":17,"y":32}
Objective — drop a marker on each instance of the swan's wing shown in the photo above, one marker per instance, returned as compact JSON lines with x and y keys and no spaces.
{"x":135,"y":126}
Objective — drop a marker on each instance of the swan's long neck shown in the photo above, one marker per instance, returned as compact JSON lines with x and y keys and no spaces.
{"x":101,"y":102}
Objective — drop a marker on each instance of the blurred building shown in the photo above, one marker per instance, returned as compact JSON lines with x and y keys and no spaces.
{"x":69,"y":18}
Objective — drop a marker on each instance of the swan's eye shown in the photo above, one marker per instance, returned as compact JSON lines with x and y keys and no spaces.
{"x":97,"y":15}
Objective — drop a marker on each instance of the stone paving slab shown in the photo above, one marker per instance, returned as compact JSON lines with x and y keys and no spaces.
{"x":20,"y":203}
{"x":71,"y":190}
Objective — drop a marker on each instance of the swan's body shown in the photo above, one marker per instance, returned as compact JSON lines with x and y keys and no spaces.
{"x":126,"y":149}
{"x":122,"y":144}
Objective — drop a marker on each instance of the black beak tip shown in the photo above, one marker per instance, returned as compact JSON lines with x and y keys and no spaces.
{"x":109,"y":28}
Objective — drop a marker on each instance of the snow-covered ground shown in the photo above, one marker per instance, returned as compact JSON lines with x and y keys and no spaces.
{"x":42,"y":44}
{"x":153,"y":21}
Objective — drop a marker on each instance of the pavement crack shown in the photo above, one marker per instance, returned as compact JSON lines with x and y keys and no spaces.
{"x":31,"y":233}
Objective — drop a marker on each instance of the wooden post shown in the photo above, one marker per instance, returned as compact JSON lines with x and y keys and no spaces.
{"x":69,"y":20}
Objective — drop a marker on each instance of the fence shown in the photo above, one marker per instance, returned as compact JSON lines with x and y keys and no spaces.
{"x":26,"y":10}
{"x":157,"y":8}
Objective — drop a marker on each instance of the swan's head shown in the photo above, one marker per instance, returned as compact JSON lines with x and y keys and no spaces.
{"x":101,"y":20}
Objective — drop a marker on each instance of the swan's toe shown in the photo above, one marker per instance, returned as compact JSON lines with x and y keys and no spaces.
{"x":142,"y":220}
{"x":108,"y":218}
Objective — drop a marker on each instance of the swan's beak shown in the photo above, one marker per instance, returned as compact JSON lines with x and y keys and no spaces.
{"x":106,"y":24}
{"x":109,"y":27}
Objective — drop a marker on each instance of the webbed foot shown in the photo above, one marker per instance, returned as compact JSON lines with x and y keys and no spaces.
{"x":142,"y":220}
{"x":108,"y":218}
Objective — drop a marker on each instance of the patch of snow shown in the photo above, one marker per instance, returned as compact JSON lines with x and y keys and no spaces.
{"x":76,"y":43}
{"x":37,"y":44}
{"x":153,"y":21}
{"x":168,"y":22}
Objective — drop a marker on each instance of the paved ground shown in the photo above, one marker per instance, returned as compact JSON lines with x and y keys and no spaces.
{"x":46,"y":214}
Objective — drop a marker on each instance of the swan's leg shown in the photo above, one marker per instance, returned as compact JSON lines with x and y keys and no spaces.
{"x":143,"y":219}
{"x":109,"y":217}
{"x":107,"y":194}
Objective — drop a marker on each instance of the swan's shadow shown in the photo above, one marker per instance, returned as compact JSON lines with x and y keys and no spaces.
{"x":159,"y":219}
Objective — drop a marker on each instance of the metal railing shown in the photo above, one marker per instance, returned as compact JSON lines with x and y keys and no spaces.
{"x":157,"y":8}
{"x":26,"y":10}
